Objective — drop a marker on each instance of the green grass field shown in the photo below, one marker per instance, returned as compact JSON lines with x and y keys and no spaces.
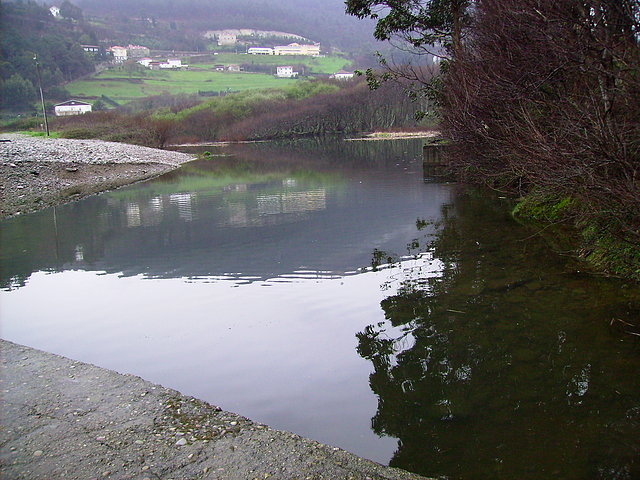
{"x":327,"y":65}
{"x":121,"y":87}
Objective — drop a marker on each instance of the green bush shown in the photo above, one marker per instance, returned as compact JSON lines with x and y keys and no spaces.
{"x":80,"y":133}
{"x":534,"y":207}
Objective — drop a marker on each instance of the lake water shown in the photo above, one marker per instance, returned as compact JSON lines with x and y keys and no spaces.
{"x":323,"y":287}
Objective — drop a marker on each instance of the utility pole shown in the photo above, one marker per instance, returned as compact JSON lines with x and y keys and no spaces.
{"x":44,"y":110}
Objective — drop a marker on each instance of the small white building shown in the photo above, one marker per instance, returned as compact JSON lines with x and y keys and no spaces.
{"x":72,"y":107}
{"x":119,"y":53}
{"x":342,"y":75}
{"x":260,"y":51}
{"x":286,"y":72}
{"x":91,"y":48}
{"x":55,"y":11}
{"x":145,"y":62}
{"x":172,"y":63}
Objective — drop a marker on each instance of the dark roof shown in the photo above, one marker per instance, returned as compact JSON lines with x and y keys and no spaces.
{"x":71,"y":102}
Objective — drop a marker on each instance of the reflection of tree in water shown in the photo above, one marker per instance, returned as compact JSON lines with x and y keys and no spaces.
{"x":505,"y":365}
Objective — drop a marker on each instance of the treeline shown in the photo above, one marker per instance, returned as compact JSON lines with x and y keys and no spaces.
{"x":543,"y":98}
{"x":121,"y":28}
{"x":29,"y":31}
{"x":308,"y":108}
{"x":349,"y":110}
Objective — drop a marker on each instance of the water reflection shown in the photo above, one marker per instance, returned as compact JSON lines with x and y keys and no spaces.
{"x":303,"y":208}
{"x":506,"y":365}
{"x":241,"y":280}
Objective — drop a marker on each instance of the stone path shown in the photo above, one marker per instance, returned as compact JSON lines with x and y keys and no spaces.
{"x":63,"y":419}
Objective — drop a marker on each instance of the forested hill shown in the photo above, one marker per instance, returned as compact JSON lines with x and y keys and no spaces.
{"x":28,"y":30}
{"x":323,"y":21}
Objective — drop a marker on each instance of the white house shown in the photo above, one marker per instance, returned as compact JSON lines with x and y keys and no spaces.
{"x":55,"y":11}
{"x":260,"y":51}
{"x":172,"y":63}
{"x":72,"y":107}
{"x":285,"y":72}
{"x":91,"y":48}
{"x":119,"y":53}
{"x":342,"y":75}
{"x":297,"y":49}
{"x":145,"y":62}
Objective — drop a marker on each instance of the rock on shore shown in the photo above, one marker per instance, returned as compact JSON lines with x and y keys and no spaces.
{"x":67,"y":419}
{"x":37,"y":172}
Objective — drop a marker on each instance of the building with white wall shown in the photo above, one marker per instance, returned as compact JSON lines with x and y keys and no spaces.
{"x":286,"y":72}
{"x":173,"y":63}
{"x":342,"y":75}
{"x":72,"y":107}
{"x":260,"y":51}
{"x":297,"y":49}
{"x":119,"y":53}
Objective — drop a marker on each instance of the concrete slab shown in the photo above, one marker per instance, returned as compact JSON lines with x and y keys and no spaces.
{"x":63,"y":419}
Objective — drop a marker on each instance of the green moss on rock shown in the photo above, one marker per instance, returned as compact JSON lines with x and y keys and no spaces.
{"x":592,"y":239}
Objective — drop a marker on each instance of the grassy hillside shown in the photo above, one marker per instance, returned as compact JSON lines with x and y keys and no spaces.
{"x":121,"y":87}
{"x":323,"y":65}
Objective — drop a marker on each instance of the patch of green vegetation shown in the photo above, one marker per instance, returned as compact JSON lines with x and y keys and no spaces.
{"x":240,"y":104}
{"x":590,"y":238}
{"x":328,"y":64}
{"x":123,"y":87}
{"x":537,"y":208}
{"x":611,"y":254}
{"x":41,"y":134}
{"x":438,"y":142}
{"x":81,"y":133}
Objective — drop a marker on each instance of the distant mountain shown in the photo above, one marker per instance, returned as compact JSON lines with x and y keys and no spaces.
{"x":323,"y":21}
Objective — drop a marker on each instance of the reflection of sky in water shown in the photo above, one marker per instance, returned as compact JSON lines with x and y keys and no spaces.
{"x":247,"y":293}
{"x":284,"y":355}
{"x":274,"y":226}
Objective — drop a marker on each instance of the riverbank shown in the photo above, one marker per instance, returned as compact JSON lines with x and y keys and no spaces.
{"x":38,"y":172}
{"x":565,"y":226}
{"x":67,"y":419}
{"x":396,"y":135}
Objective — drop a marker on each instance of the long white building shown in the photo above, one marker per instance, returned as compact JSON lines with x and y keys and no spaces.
{"x":260,"y":51}
{"x":297,"y":49}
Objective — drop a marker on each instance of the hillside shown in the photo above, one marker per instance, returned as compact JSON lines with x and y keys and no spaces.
{"x":296,"y":16}
{"x":29,"y":31}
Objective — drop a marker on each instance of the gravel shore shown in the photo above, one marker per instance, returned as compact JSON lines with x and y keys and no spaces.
{"x":71,"y":420}
{"x":37,"y":172}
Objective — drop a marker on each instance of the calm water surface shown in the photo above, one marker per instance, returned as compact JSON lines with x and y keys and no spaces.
{"x":323,"y":287}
